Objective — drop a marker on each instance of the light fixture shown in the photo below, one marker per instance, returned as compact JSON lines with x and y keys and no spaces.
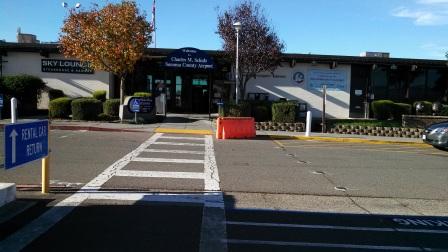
{"x":393,"y":67}
{"x":313,"y":63}
{"x":333,"y":65}
{"x":414,"y":68}
{"x":374,"y":66}
{"x":292,"y":63}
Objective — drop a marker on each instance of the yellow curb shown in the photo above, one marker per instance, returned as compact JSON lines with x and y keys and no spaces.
{"x":347,"y":140}
{"x":183,"y":131}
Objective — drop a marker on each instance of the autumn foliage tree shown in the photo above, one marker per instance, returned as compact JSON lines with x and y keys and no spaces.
{"x":259,"y":46}
{"x":112,"y":38}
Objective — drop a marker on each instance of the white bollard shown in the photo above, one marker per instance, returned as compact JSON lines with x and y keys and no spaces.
{"x":13,"y":110}
{"x":308,"y":124}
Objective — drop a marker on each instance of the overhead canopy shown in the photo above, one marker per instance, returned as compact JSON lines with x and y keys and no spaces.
{"x":189,"y":58}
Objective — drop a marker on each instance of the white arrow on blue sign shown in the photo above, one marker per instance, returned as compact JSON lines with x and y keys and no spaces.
{"x":135,"y":106}
{"x":25,"y":142}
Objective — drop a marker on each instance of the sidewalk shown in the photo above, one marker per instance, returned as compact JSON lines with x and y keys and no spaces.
{"x":201,"y":124}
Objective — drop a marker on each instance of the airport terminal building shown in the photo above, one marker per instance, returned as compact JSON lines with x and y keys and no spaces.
{"x":194,"y":80}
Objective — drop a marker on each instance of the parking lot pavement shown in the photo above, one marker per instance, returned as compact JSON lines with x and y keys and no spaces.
{"x":258,"y":230}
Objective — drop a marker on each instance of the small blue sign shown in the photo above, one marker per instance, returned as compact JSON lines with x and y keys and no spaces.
{"x":1,"y":100}
{"x":25,"y":142}
{"x":135,"y":105}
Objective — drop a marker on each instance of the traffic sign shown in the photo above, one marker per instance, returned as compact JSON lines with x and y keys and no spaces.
{"x":25,"y":142}
{"x":1,"y":100}
{"x":135,"y":105}
{"x":141,"y":104}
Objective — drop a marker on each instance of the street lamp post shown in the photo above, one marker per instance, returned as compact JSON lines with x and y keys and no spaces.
{"x":237,"y":26}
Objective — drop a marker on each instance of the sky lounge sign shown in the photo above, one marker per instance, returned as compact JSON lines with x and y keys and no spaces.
{"x":189,"y":58}
{"x":66,"y":66}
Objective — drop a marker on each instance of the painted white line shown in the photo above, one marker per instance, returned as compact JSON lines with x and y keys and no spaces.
{"x":210,"y":167}
{"x":179,"y":144}
{"x":183,"y":138}
{"x":149,"y":197}
{"x":326,"y":245}
{"x":213,"y":229}
{"x":288,"y":225}
{"x":168,"y":160}
{"x":63,"y":136}
{"x":160,"y":174}
{"x":174,"y":151}
{"x":20,"y":239}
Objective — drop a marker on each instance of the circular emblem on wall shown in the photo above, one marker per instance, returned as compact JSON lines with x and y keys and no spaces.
{"x":298,"y":77}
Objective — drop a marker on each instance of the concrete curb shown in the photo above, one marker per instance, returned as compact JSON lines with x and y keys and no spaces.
{"x":346,"y":140}
{"x":183,"y":131}
{"x":7,"y":193}
{"x":91,"y":128}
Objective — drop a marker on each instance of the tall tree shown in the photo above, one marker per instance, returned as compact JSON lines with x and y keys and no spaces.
{"x":112,"y":38}
{"x":259,"y":46}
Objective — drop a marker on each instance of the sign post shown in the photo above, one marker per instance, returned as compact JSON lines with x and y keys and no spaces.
{"x":1,"y":105}
{"x":27,"y":142}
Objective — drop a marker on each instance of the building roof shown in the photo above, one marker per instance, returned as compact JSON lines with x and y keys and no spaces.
{"x":290,"y":57}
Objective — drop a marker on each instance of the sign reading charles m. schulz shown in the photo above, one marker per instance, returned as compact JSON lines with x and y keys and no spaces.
{"x":66,"y":66}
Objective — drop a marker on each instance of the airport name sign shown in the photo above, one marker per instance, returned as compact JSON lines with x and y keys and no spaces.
{"x":25,"y":142}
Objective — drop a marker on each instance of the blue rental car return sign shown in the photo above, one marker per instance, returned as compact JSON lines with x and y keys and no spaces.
{"x":25,"y":142}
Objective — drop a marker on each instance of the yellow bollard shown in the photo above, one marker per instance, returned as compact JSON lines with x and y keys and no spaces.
{"x":46,"y":174}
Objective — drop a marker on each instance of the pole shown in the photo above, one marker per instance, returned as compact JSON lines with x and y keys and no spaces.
{"x":46,"y":174}
{"x":13,"y":110}
{"x":324,"y":101}
{"x":236,"y":68}
{"x":308,"y":124}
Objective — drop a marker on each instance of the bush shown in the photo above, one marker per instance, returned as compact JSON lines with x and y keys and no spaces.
{"x":26,"y":88}
{"x":427,"y":107}
{"x":237,"y":110}
{"x":86,"y":109}
{"x":55,"y":93}
{"x":60,"y":107}
{"x":106,"y":117}
{"x":261,"y":113}
{"x":399,"y":109}
{"x":142,"y":94}
{"x":284,"y":112}
{"x":111,"y":107}
{"x":99,"y":95}
{"x":382,"y":109}
{"x":444,"y":111}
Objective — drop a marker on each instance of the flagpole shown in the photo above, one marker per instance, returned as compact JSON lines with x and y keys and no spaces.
{"x":154,"y":22}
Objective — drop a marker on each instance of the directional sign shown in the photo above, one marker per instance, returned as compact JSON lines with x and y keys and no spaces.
{"x":1,"y":101}
{"x":25,"y":142}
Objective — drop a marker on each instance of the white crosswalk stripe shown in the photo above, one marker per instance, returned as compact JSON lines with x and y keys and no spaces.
{"x":168,"y":160}
{"x":160,"y":174}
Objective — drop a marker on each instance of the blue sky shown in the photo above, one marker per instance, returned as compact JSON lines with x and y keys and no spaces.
{"x":405,"y":28}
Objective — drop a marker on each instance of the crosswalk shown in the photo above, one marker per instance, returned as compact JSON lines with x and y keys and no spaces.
{"x":195,"y":150}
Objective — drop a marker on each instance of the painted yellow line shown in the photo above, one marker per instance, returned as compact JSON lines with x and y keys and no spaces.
{"x":279,"y":143}
{"x":183,"y":131}
{"x":347,"y":140}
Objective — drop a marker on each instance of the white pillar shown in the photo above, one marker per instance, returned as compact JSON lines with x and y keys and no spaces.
{"x":308,"y":124}
{"x":13,"y":110}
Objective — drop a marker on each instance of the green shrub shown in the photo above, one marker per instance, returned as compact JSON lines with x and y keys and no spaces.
{"x":55,"y":93}
{"x":86,"y":109}
{"x":444,"y":111}
{"x":382,"y":109}
{"x":26,"y":88}
{"x":111,"y":107}
{"x":237,"y":110}
{"x":261,"y":113}
{"x":106,"y":117}
{"x":142,"y":94}
{"x":60,"y":107}
{"x":427,"y":107}
{"x":399,"y":109}
{"x":99,"y":95}
{"x":284,"y":112}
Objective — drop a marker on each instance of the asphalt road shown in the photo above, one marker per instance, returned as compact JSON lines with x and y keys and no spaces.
{"x":157,"y":203}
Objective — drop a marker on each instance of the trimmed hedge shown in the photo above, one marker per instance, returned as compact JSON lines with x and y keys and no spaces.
{"x":382,"y":109}
{"x":399,"y":109}
{"x":142,"y":94}
{"x":99,"y":95}
{"x":26,"y":88}
{"x":261,"y":113}
{"x":111,"y":107}
{"x":60,"y":108}
{"x":444,"y":111}
{"x":86,"y":109}
{"x":238,"y":110}
{"x":55,"y":93}
{"x":427,"y":107}
{"x":284,"y":112}
{"x":106,"y":117}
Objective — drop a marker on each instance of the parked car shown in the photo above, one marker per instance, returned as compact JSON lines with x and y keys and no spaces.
{"x":437,"y":135}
